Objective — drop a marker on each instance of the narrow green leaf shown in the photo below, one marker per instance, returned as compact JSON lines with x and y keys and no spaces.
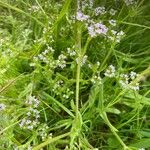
{"x":58,"y":103}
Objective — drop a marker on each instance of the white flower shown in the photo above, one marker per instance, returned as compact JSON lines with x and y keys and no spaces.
{"x":125,"y":81}
{"x":81,"y":17}
{"x":112,"y":22}
{"x":83,"y":61}
{"x":91,"y":31}
{"x":112,"y":12}
{"x":129,"y":2}
{"x":29,"y":147}
{"x":116,"y":36}
{"x":2,"y":106}
{"x":133,"y":75}
{"x":30,"y":127}
{"x":96,"y":79}
{"x":71,"y":52}
{"x":34,"y":8}
{"x":28,"y":121}
{"x":100,"y":28}
{"x":110,"y":72}
{"x":33,"y":101}
{"x":100,"y":11}
{"x":98,"y":63}
{"x":97,"y":29}
{"x":21,"y":124}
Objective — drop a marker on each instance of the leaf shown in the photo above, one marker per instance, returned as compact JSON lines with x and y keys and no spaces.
{"x":27,"y":90}
{"x":72,"y":105}
{"x":113,"y":110}
{"x":76,"y":129}
{"x":113,"y":142}
{"x":20,"y":11}
{"x":145,"y":133}
{"x":143,"y":143}
{"x":50,"y":140}
{"x":58,"y":103}
{"x":135,"y":95}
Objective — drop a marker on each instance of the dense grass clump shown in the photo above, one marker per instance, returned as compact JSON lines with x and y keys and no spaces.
{"x":74,"y":75}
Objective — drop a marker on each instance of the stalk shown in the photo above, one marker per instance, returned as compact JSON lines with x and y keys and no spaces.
{"x":78,"y":45}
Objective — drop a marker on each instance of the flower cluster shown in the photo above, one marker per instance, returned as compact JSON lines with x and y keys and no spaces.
{"x":126,"y":81}
{"x":2,"y":106}
{"x":42,"y":56}
{"x":43,"y":132}
{"x":61,"y":62}
{"x":100,"y":11}
{"x":71,"y":52}
{"x":116,"y":36}
{"x":110,"y":71}
{"x":7,"y":52}
{"x":32,"y":116}
{"x":16,"y":147}
{"x":96,"y":29}
{"x":67,"y":93}
{"x":57,"y":86}
{"x":96,"y":79}
{"x":58,"y":89}
{"x":87,"y":4}
{"x":34,"y":8}
{"x":81,"y":17}
{"x":33,"y":101}
{"x":112,"y":11}
{"x":129,"y":2}
{"x":112,"y":22}
{"x":82,"y":61}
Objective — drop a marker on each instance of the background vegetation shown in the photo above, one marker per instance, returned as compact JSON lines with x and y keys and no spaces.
{"x":62,"y":88}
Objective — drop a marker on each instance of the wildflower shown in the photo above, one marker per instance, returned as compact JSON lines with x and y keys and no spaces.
{"x":98,"y":63}
{"x":133,"y":75}
{"x":29,"y":147}
{"x":129,"y":2}
{"x":135,"y":87}
{"x":57,"y":85}
{"x":126,"y":81}
{"x":71,"y":52}
{"x":97,"y":29}
{"x":2,"y":106}
{"x":21,"y":124}
{"x":33,"y":101}
{"x":99,"y":11}
{"x":116,"y":36}
{"x":112,"y":12}
{"x":34,"y":8}
{"x":42,"y":131}
{"x":112,"y":22}
{"x":110,"y":72}
{"x":81,"y":17}
{"x":91,"y":31}
{"x":96,"y":79}
{"x":50,"y":49}
{"x":61,"y":62}
{"x":100,"y":28}
{"x":83,"y":60}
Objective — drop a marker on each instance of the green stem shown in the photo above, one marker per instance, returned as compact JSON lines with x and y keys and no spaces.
{"x":78,"y":45}
{"x":50,"y":140}
{"x":113,"y":130}
{"x":107,"y":56}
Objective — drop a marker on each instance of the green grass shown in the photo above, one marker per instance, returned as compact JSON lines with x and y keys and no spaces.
{"x":56,"y":98}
